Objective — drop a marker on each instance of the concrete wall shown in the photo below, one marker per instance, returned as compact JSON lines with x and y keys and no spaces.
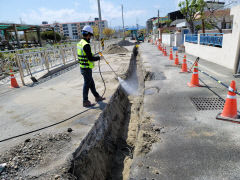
{"x":166,"y":39}
{"x":226,"y":56}
{"x":178,"y":39}
{"x":172,"y":39}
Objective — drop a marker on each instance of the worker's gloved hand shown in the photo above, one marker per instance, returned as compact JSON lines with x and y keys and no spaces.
{"x":101,"y":58}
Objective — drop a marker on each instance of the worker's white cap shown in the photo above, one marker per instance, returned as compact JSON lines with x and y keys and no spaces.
{"x":88,"y":29}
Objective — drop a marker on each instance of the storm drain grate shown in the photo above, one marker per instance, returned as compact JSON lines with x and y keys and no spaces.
{"x":207,"y":103}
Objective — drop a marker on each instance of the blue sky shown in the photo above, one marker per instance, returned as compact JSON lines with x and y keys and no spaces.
{"x":36,"y":11}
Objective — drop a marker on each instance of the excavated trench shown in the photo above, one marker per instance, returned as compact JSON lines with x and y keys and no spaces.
{"x":108,"y":149}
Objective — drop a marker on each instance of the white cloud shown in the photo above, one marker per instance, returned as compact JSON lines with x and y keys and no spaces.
{"x":109,"y":11}
{"x":61,"y":15}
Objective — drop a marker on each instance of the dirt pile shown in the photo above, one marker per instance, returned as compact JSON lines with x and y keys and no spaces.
{"x":125,"y":43}
{"x":115,"y":49}
{"x":30,"y":154}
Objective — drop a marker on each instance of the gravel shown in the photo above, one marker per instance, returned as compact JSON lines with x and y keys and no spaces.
{"x":31,"y":153}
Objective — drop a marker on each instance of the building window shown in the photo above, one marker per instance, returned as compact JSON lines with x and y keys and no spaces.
{"x":82,"y":24}
{"x":73,"y":25}
{"x":64,"y":25}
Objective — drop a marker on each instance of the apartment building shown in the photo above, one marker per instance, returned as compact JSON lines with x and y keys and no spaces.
{"x":73,"y":29}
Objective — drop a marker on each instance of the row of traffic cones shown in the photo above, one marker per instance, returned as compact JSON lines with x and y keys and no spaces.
{"x":176,"y":62}
{"x":229,"y":112}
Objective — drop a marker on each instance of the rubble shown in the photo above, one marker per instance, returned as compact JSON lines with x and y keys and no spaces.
{"x":114,"y":49}
{"x":30,"y":153}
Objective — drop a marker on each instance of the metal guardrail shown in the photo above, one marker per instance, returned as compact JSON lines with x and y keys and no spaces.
{"x":211,"y":39}
{"x":191,"y":38}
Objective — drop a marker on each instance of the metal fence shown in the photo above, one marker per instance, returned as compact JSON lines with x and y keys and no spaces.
{"x":211,"y":39}
{"x":34,"y":60}
{"x":40,"y":60}
{"x":191,"y":38}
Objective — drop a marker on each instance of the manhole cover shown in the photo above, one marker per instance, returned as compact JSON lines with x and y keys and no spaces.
{"x":207,"y":103}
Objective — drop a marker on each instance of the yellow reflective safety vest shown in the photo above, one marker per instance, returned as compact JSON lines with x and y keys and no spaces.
{"x":82,"y":58}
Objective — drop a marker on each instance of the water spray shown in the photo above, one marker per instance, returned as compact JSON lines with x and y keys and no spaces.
{"x":123,"y":83}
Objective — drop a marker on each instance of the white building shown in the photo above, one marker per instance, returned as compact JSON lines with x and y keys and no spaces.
{"x":73,"y":29}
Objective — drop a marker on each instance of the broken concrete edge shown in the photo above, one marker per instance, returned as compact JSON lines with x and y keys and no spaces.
{"x":148,"y":130}
{"x":94,"y":156}
{"x":97,"y":148}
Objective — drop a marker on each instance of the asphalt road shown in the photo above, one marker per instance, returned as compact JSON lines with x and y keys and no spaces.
{"x":194,"y":145}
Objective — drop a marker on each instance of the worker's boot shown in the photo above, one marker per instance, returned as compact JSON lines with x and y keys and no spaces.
{"x":87,"y":104}
{"x":98,"y":99}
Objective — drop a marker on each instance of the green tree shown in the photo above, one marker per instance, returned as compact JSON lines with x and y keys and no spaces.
{"x":168,"y":22}
{"x":32,"y":36}
{"x":206,"y":26}
{"x":50,"y":37}
{"x":191,"y":9}
{"x":108,"y":32}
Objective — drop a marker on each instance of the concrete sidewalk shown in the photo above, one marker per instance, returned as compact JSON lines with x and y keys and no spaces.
{"x":30,"y":108}
{"x":193,"y":144}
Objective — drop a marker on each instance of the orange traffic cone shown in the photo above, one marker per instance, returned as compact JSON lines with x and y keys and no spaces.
{"x":176,"y":59}
{"x":165,"y":51}
{"x":171,"y":55}
{"x":195,"y":81}
{"x":230,"y":106}
{"x":14,"y":83}
{"x":184,"y":65}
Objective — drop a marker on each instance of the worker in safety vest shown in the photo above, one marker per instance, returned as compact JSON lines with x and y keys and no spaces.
{"x":86,"y":60}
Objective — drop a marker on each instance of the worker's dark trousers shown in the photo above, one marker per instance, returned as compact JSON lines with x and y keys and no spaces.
{"x":88,"y":83}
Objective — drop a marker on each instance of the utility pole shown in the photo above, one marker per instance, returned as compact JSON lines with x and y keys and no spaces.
{"x":158,"y":25}
{"x":100,"y":20}
{"x":123,"y":24}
